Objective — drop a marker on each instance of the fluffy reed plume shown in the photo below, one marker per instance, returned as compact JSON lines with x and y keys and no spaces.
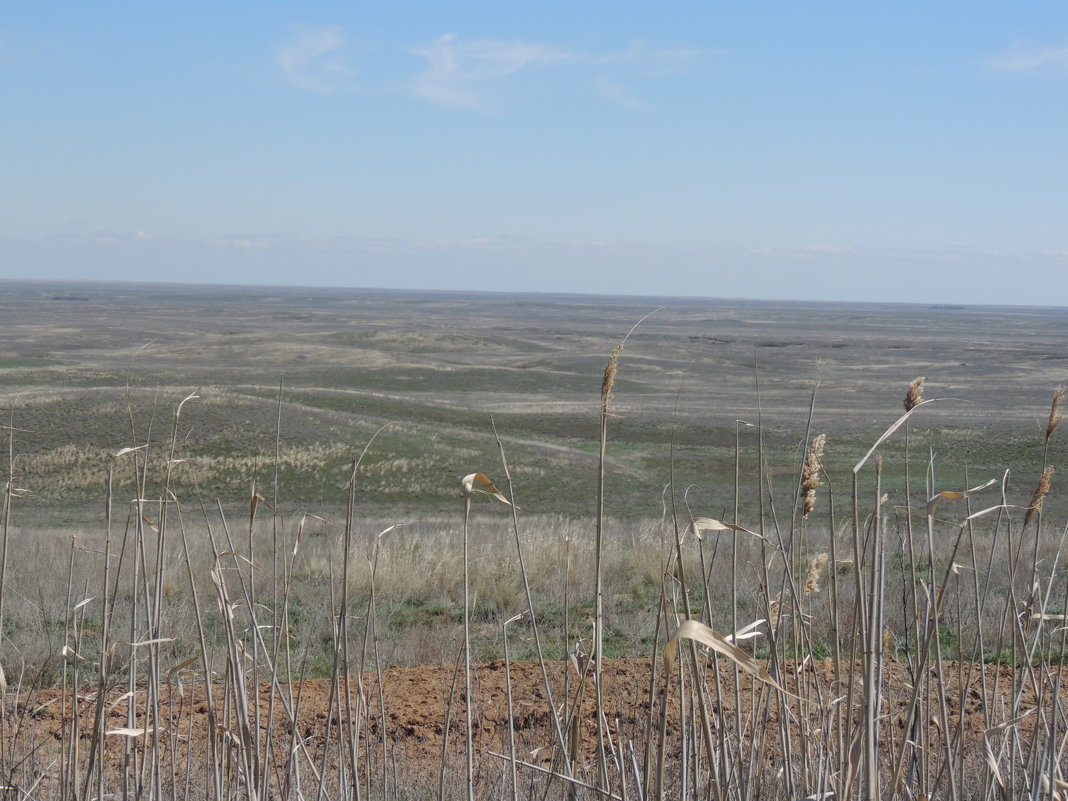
{"x":609,"y":380}
{"x":1040,"y":494}
{"x":815,"y":573}
{"x":810,"y":474}
{"x":1055,"y":412}
{"x":914,"y":396}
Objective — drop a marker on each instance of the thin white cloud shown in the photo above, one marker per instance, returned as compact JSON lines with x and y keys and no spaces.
{"x":314,"y":59}
{"x":116,"y":237}
{"x":652,"y":60}
{"x":459,"y":71}
{"x":240,"y":243}
{"x":639,"y":63}
{"x":804,"y":251}
{"x":620,"y":95}
{"x":829,"y":248}
{"x":1022,"y":57}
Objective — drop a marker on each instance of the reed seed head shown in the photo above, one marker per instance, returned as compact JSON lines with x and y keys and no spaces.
{"x":1041,"y":491}
{"x":1055,"y":412}
{"x":609,"y":380}
{"x":914,"y":396}
{"x":810,"y":474}
{"x":815,"y":573}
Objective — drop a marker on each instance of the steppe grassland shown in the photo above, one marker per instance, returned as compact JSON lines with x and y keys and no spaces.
{"x":437,"y":366}
{"x":292,"y":384}
{"x":281,"y":412}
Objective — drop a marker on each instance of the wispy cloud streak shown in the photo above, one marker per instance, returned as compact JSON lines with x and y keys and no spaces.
{"x":314,"y":59}
{"x":460,"y":73}
{"x":1026,"y":58}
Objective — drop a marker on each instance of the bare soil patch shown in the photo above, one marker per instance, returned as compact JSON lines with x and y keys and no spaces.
{"x":404,"y":715}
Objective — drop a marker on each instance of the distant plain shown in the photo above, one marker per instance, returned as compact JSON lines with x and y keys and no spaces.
{"x":88,"y":369}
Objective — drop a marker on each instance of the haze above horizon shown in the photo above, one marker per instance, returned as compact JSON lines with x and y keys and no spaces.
{"x":829,"y":151}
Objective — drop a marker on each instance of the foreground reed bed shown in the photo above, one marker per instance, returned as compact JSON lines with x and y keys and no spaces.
{"x":899,"y":648}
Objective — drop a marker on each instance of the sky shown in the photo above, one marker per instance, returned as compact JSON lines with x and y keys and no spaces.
{"x":906,"y":152}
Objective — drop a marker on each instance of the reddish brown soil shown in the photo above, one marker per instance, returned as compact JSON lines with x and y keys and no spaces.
{"x":417,"y":707}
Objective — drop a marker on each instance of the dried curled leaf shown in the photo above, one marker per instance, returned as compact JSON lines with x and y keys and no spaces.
{"x":699,"y":632}
{"x":746,"y":632}
{"x":701,"y":524}
{"x":1008,"y":724}
{"x":888,"y":433}
{"x":125,"y":732}
{"x":478,"y":483}
{"x":180,"y":666}
{"x":952,"y":495}
{"x":992,"y":763}
{"x":71,"y":655}
{"x":1058,"y":786}
{"x":248,"y":562}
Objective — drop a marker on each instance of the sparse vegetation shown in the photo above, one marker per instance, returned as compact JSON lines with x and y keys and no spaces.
{"x":845,"y":601}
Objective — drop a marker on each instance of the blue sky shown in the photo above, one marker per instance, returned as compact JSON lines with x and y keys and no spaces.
{"x":813,"y":151}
